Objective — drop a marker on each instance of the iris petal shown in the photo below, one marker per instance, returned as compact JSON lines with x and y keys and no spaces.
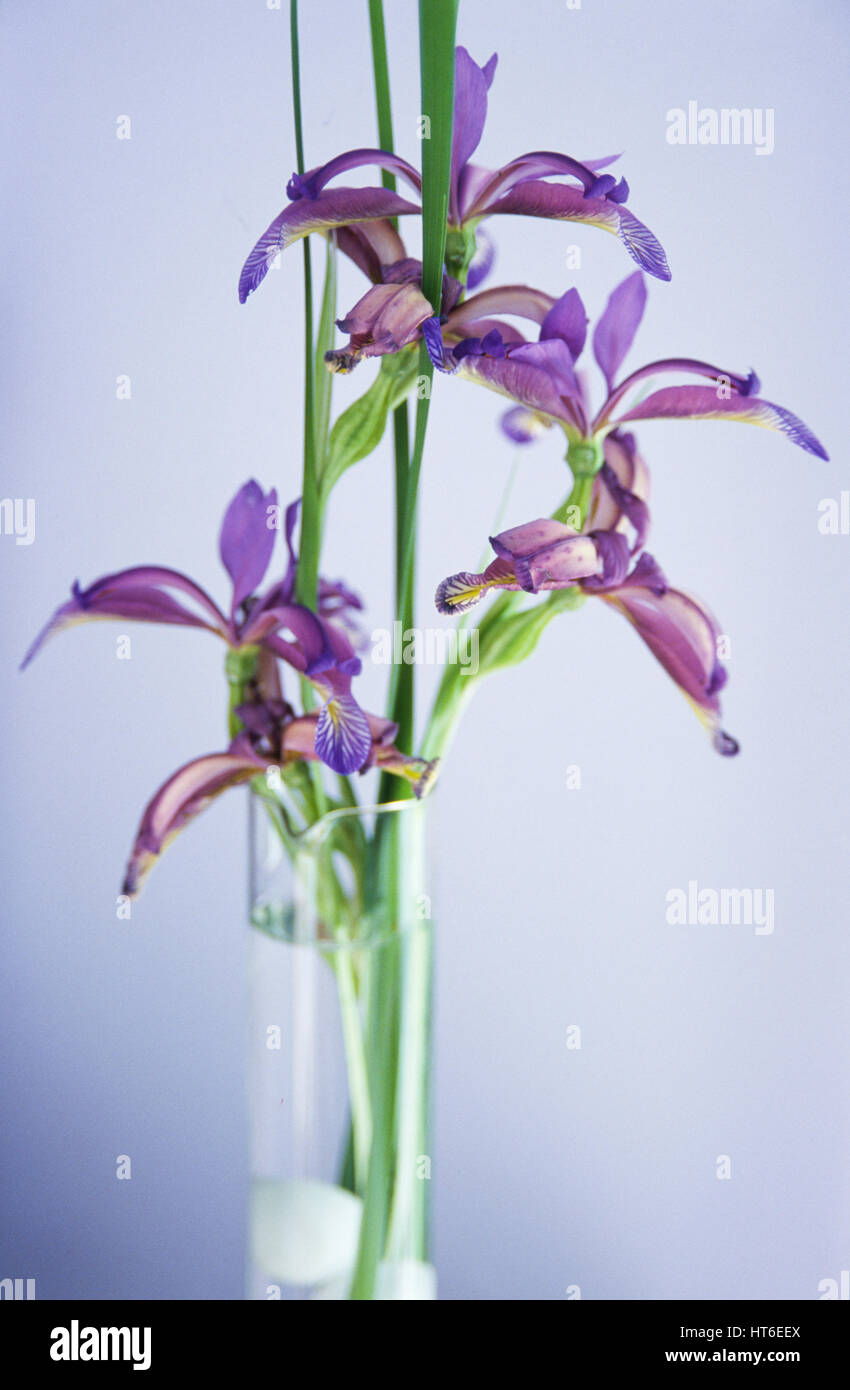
{"x":343,"y":737}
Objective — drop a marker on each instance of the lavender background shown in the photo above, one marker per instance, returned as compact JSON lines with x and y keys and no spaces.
{"x":552,"y":1167}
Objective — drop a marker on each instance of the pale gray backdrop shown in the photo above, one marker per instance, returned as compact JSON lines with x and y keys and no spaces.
{"x":553,"y":1166}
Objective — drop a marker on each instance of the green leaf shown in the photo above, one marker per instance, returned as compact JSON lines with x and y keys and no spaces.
{"x":360,"y":428}
{"x":437,"y":26}
{"x":323,"y":379}
{"x":511,"y":639}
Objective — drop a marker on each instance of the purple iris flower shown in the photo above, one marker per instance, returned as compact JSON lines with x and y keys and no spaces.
{"x":519,"y":187}
{"x":315,"y":645}
{"x":543,"y":379}
{"x":606,"y":560}
{"x":273,"y":736}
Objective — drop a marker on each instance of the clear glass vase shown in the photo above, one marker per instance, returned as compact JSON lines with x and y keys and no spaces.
{"x":340,"y":1055}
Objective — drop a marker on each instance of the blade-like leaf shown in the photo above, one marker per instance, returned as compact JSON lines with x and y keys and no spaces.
{"x":437,"y":25}
{"x":323,"y":379}
{"x":360,"y":428}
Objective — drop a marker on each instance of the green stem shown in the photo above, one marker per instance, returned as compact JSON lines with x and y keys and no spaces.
{"x":381,"y":73}
{"x":307,"y":578}
{"x":357,"y":1066}
{"x":408,"y":1234}
{"x":240,"y":667}
{"x":437,"y":26}
{"x":401,"y":431}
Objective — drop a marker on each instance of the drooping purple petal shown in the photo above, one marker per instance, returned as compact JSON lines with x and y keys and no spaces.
{"x":188,"y":792}
{"x":567,"y":319}
{"x":704,"y":403}
{"x":647,"y":574}
{"x":246,"y":540}
{"x":336,"y":207}
{"x":682,"y":635}
{"x":343,"y":739}
{"x":748,"y":385}
{"x":470,"y":113}
{"x":139,"y":594}
{"x":617,"y":325}
{"x":567,"y":204}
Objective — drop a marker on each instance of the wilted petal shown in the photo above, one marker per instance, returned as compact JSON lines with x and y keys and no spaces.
{"x":179,"y":800}
{"x":337,"y":207}
{"x":615,"y":331}
{"x":531,"y":536}
{"x":246,"y":540}
{"x":682,"y":634}
{"x":565,"y":203}
{"x":418,"y":772}
{"x":542,"y":554}
{"x":704,"y":403}
{"x":343,"y":739}
{"x":386,"y":319}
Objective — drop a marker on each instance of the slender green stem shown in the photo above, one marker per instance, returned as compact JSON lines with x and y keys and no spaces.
{"x":357,"y":1066}
{"x":307,"y":578}
{"x":408,"y":1233}
{"x":240,"y":667}
{"x":381,"y":72}
{"x":401,"y":431}
{"x":437,"y":26}
{"x":402,"y":677}
{"x":401,"y":450}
